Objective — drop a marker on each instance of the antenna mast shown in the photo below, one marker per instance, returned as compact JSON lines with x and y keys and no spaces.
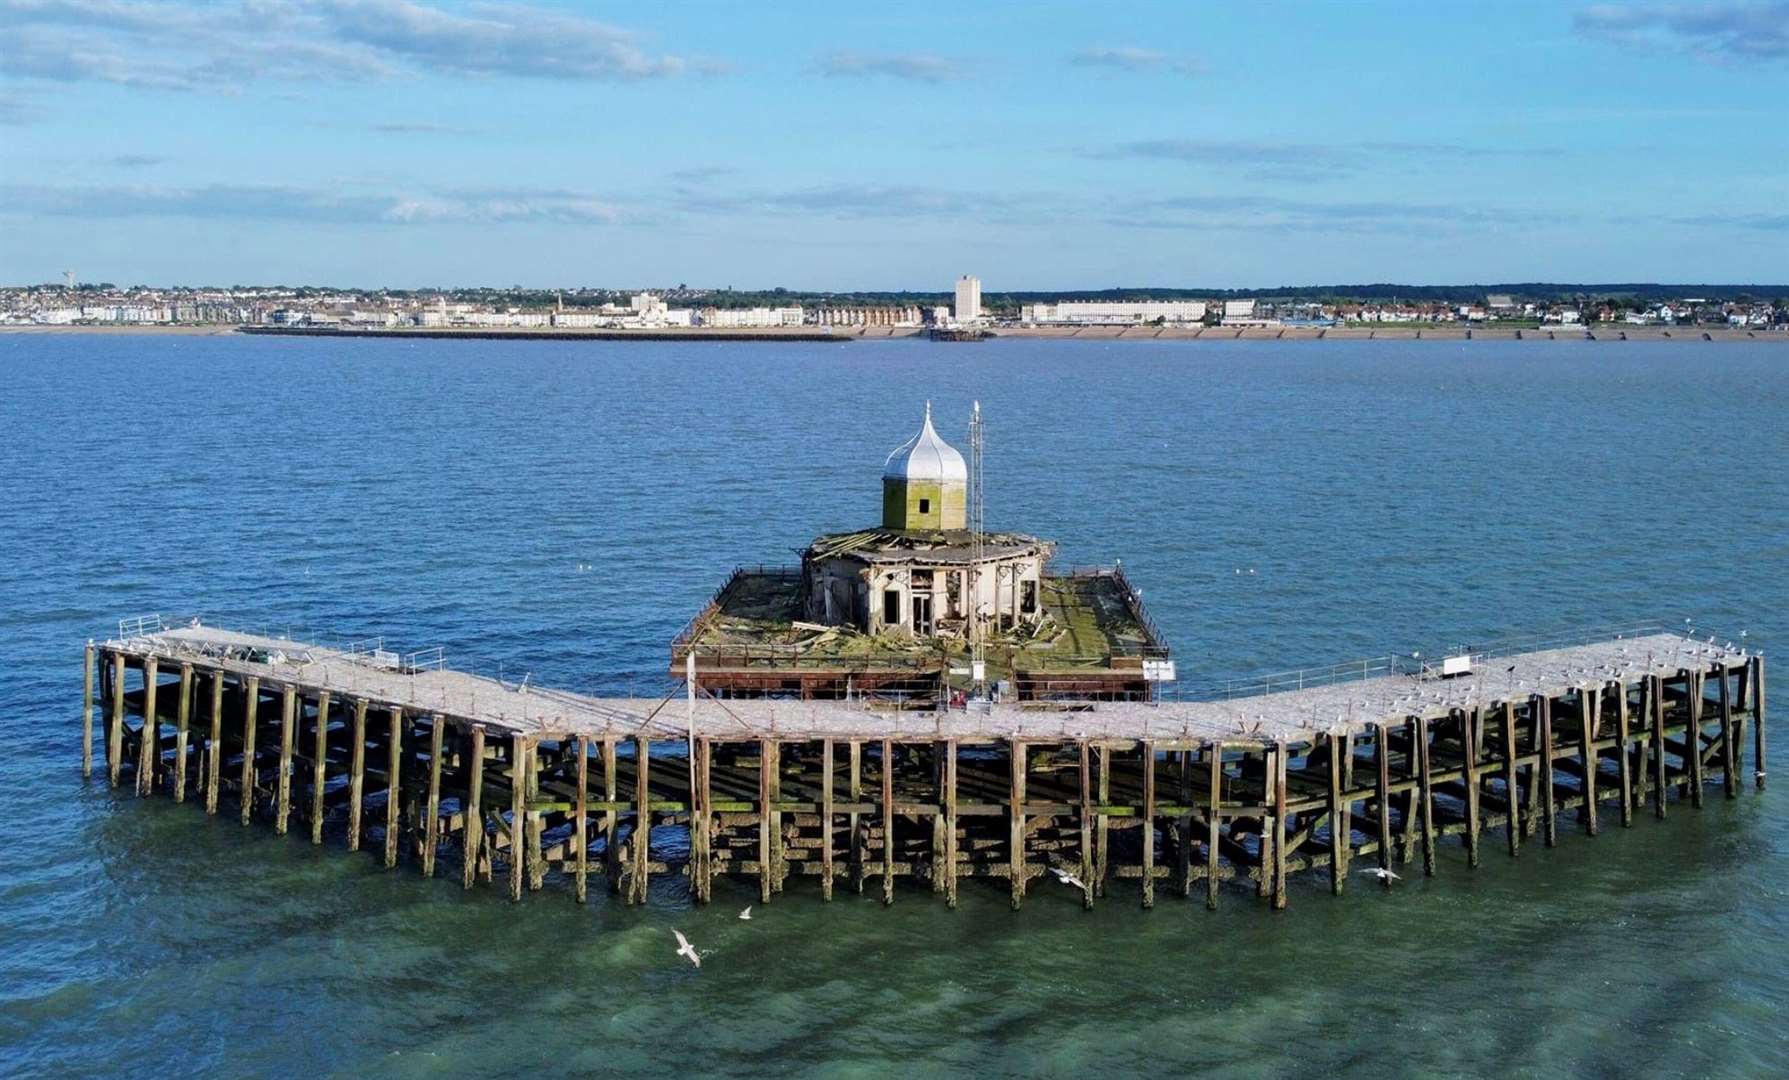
{"x":978,"y":666}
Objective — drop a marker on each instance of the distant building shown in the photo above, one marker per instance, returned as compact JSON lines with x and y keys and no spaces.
{"x":756,"y":318}
{"x":968,"y":306}
{"x":1500,"y":302}
{"x":1114,"y":311}
{"x":1239,"y":309}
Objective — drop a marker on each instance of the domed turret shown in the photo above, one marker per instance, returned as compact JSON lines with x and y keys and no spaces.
{"x":925,"y":484}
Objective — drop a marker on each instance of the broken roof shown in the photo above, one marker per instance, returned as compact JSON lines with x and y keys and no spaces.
{"x":923,"y":545}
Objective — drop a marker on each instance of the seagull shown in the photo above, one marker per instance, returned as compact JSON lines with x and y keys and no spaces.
{"x":1067,"y":878}
{"x":747,"y":913}
{"x":1379,"y":872}
{"x":684,"y":948}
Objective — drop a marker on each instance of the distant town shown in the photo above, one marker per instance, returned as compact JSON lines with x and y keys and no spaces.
{"x":964,"y":307}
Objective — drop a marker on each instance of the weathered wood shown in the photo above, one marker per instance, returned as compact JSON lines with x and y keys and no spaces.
{"x":357,"y":774}
{"x":1656,"y":697}
{"x":950,"y":823}
{"x":611,"y":819}
{"x":778,"y":866}
{"x":888,"y":821}
{"x":1102,"y":828}
{"x":473,"y":836}
{"x":320,"y":766}
{"x":1512,"y":787}
{"x":149,"y":746}
{"x":1471,"y":739}
{"x":1183,"y":853}
{"x":1587,"y":715}
{"x":183,"y":716}
{"x":282,"y":807}
{"x":1214,"y":753}
{"x":1148,"y":824}
{"x":251,"y":717}
{"x":1624,"y":766}
{"x":1692,"y":733}
{"x":1426,"y":785}
{"x":1282,"y":762}
{"x":1549,"y":807}
{"x":580,"y":835}
{"x":1757,"y":664}
{"x":826,"y":819}
{"x":518,"y":810}
{"x":394,"y":771}
{"x":87,"y":711}
{"x":214,"y":755}
{"x":1015,"y":819}
{"x":642,"y":819}
{"x":1729,"y":742}
{"x":1340,"y":817}
{"x":115,"y":722}
{"x":1382,"y":793}
{"x":1084,"y":775}
{"x":766,"y":871}
{"x":705,"y":750}
{"x":854,"y":820}
{"x":431,"y":823}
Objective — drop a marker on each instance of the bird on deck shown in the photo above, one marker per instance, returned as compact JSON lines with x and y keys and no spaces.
{"x":1067,"y":878}
{"x":685,"y":949}
{"x":1383,"y":874}
{"x":747,"y":913}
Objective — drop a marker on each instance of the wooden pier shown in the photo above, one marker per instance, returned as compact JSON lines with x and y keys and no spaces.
{"x":424,"y":764}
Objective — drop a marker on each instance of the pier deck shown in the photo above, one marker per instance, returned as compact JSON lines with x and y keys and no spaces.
{"x":1264,"y":780}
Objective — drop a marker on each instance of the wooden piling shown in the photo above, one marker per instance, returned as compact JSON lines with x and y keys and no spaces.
{"x":1426,"y":787}
{"x":1102,"y":826}
{"x":473,"y":836}
{"x":854,"y":821}
{"x":888,"y":821}
{"x":826,"y":819}
{"x":1148,"y":824}
{"x":149,"y":746}
{"x":394,"y":771}
{"x":115,"y":722}
{"x":765,"y":884}
{"x":1656,"y":698}
{"x":214,"y":755}
{"x":1588,"y":715}
{"x":1282,"y":756}
{"x":1339,"y":819}
{"x":1692,"y":732}
{"x":611,"y":818}
{"x":950,"y":823}
{"x":1729,"y":740}
{"x":1084,"y":775}
{"x":183,"y":717}
{"x":642,"y":818}
{"x":1757,"y":663}
{"x":518,"y":810}
{"x":1214,"y":752}
{"x":357,"y":774}
{"x":704,"y":869}
{"x":1549,"y":807}
{"x":1015,"y":819}
{"x":1183,"y":855}
{"x":1513,"y":789}
{"x":1472,"y":724}
{"x":1382,"y":792}
{"x":320,"y":766}
{"x":282,"y":810}
{"x":431,"y":822}
{"x":1624,"y":767}
{"x":87,"y":711}
{"x":251,"y":716}
{"x":777,"y":861}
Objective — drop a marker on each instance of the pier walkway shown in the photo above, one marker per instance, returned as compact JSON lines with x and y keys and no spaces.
{"x":1314,"y":770}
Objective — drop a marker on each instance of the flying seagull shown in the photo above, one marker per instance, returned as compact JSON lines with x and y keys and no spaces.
{"x":1067,"y":878}
{"x":684,"y":948}
{"x":747,"y":913}
{"x":1379,"y":872}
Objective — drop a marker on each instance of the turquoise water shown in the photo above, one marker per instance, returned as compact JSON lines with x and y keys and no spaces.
{"x":1388,"y":496}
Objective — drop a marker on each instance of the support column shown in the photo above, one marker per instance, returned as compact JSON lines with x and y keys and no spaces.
{"x":357,"y":774}
{"x":115,"y":722}
{"x":431,"y":822}
{"x":1588,"y":710}
{"x":1757,"y":663}
{"x":183,"y":717}
{"x":282,"y":811}
{"x":251,"y":716}
{"x":1339,"y":820}
{"x":473,"y":837}
{"x":950,"y":822}
{"x":320,"y":766}
{"x":1729,"y":741}
{"x":1282,"y":761}
{"x":1086,"y":823}
{"x":1692,"y":734}
{"x":1382,"y":792}
{"x":642,"y":818}
{"x":1624,"y":767}
{"x":705,"y":869}
{"x":1102,"y":825}
{"x":87,"y":711}
{"x":1183,"y":856}
{"x":1148,"y":825}
{"x":777,"y":862}
{"x":1425,"y":781}
{"x":888,"y":821}
{"x":214,"y":756}
{"x":579,"y":837}
{"x":394,"y":771}
{"x":1015,"y":820}
{"x":1471,"y":725}
{"x":1656,"y":697}
{"x":149,"y":746}
{"x":855,"y":820}
{"x":826,"y":819}
{"x":518,"y":810}
{"x":611,"y":817}
{"x":765,"y":884}
{"x":1549,"y":808}
{"x":1214,"y":759}
{"x":1513,"y":788}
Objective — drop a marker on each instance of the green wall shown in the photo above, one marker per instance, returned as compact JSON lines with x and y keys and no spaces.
{"x":946,"y":505}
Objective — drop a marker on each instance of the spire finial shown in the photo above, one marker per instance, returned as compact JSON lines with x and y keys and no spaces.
{"x":928,"y":410}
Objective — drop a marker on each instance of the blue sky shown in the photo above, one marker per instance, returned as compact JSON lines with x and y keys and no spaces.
{"x":1039,"y":145}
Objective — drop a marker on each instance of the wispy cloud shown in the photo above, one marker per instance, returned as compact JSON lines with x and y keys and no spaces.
{"x":16,"y":111}
{"x":420,"y":128}
{"x":323,"y":206}
{"x":1264,"y":213}
{"x":136,"y":161}
{"x":1726,"y":32}
{"x":1298,"y":162}
{"x":1758,"y":222}
{"x":219,"y":49}
{"x":1135,"y":59}
{"x":913,"y":67}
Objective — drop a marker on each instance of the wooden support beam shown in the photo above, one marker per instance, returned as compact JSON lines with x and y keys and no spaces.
{"x":149,"y":746}
{"x":1549,"y":807}
{"x":472,"y":837}
{"x":115,"y":722}
{"x":320,"y":766}
{"x":826,"y":819}
{"x":854,"y":820}
{"x":1513,"y":788}
{"x":1382,"y":793}
{"x":765,"y":884}
{"x":1588,"y":714}
{"x":214,"y":755}
{"x":1471,"y":739}
{"x":1655,"y":697}
{"x":87,"y":711}
{"x":534,"y":858}
{"x":950,"y":823}
{"x":1624,"y":767}
{"x":1102,"y":827}
{"x":1148,"y":824}
{"x":642,"y":819}
{"x":518,"y":810}
{"x":1264,"y":860}
{"x":1426,"y":785}
{"x":1214,"y":760}
{"x":777,"y":863}
{"x":1757,"y":663}
{"x":394,"y":771}
{"x":1085,"y":816}
{"x":1340,"y":819}
{"x":183,"y":717}
{"x":611,"y":819}
{"x":580,"y":835}
{"x":705,"y":766}
{"x":1692,"y":734}
{"x":431,"y":822}
{"x":888,"y":821}
{"x":1729,"y":740}
{"x":1282,"y":761}
{"x":1183,"y":854}
{"x":251,"y":716}
{"x":357,"y":774}
{"x":937,"y":852}
{"x":282,"y":810}
{"x":1015,"y":819}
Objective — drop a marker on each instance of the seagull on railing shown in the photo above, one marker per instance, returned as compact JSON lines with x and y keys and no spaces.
{"x":685,"y":949}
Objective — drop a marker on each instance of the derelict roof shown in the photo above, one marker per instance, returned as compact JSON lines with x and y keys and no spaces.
{"x":941,"y":546}
{"x":926,"y":457}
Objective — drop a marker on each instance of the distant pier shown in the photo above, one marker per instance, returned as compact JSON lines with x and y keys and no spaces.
{"x":1335,"y":772}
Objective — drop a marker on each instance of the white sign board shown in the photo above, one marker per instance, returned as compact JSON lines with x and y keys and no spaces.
{"x":1158,"y":670}
{"x":1456,"y":665}
{"x":978,"y":670}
